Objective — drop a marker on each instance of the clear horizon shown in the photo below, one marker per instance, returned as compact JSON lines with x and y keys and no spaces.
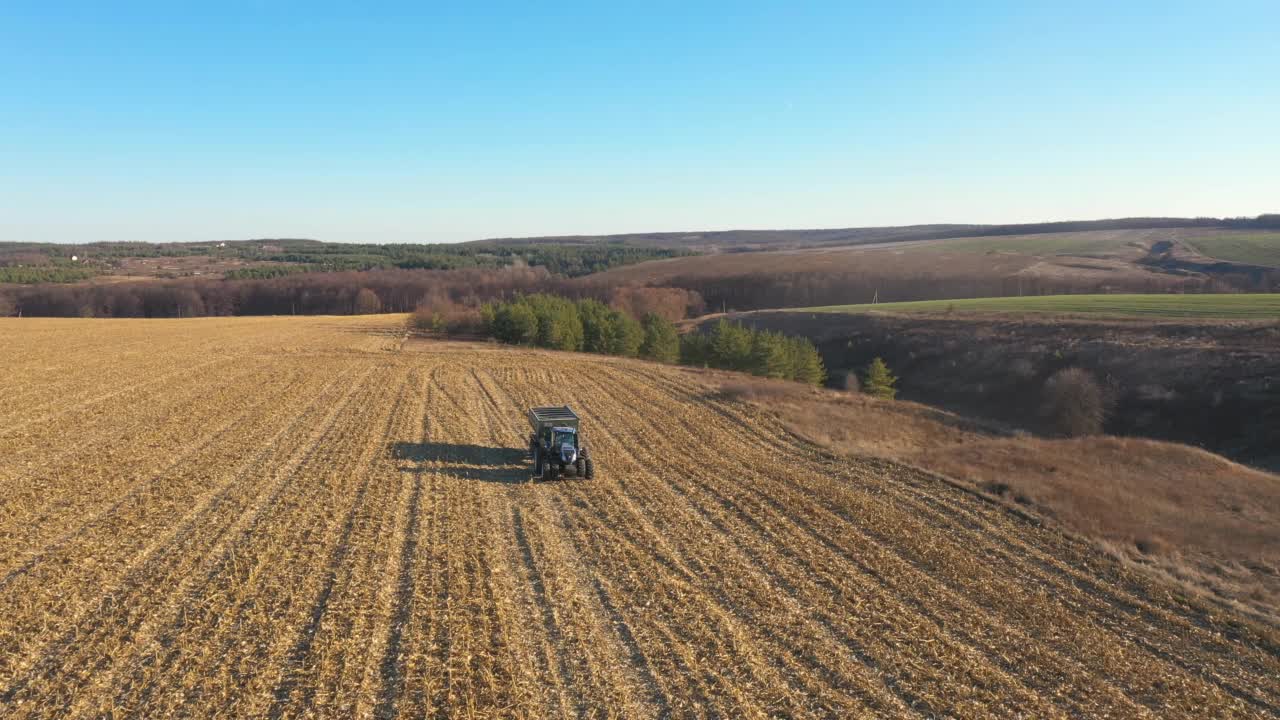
{"x":163,"y":124}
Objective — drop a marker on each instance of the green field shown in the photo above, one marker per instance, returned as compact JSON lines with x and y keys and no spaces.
{"x":1253,"y":248}
{"x":1252,"y":307}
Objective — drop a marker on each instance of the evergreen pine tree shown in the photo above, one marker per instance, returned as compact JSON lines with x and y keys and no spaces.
{"x":660,"y":342}
{"x":880,"y":381}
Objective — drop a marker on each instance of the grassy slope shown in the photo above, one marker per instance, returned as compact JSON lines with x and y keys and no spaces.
{"x":1211,"y":524}
{"x":1079,"y":243}
{"x":1252,"y":248}
{"x":1252,"y":306}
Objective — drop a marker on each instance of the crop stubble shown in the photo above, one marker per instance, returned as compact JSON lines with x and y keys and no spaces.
{"x":313,"y":518}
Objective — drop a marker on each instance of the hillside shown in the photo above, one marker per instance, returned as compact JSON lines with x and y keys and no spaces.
{"x":747,"y":240}
{"x":1181,"y":513}
{"x":1251,"y":306}
{"x":1204,"y":381}
{"x":313,"y":517}
{"x":1148,"y":260}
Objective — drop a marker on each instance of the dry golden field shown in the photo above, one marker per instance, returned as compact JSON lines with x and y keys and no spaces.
{"x":311,"y":517}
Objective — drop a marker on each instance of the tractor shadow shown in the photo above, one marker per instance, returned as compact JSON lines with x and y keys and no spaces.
{"x":470,"y":462}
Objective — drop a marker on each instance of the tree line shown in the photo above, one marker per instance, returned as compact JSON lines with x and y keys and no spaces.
{"x":584,"y":325}
{"x":731,"y":346}
{"x":588,"y":325}
{"x":45,"y":274}
{"x":569,"y":260}
{"x":453,"y":293}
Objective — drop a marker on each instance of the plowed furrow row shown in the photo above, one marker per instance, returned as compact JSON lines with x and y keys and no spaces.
{"x":48,"y":512}
{"x":43,"y":602}
{"x":70,"y":379}
{"x":1032,"y":613}
{"x":200,"y":534}
{"x":161,"y":671}
{"x":851,"y":552}
{"x":980,"y":539}
{"x":885,"y":657}
{"x":88,"y":407}
{"x":981,"y":533}
{"x":802,"y":639}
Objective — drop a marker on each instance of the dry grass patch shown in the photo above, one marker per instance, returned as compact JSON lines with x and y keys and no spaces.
{"x":1193,"y":514}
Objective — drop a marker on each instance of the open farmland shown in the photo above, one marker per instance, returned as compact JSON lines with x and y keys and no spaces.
{"x":1156,"y":260}
{"x":1244,"y":306}
{"x":314,"y":517}
{"x":1258,"y":248}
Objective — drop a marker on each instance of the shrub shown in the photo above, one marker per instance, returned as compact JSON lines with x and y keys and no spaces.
{"x":514,"y":323}
{"x":1073,"y":403}
{"x":367,"y":302}
{"x":730,"y":346}
{"x":851,"y":382}
{"x":806,"y":363}
{"x":667,"y":302}
{"x":695,"y":350}
{"x":879,"y":380}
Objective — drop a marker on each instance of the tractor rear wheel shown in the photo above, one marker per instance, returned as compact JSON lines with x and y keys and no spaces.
{"x":538,"y":466}
{"x":549,"y":471}
{"x":591,"y":469}
{"x":579,"y":467}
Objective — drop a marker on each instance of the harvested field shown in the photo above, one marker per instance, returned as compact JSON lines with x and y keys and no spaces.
{"x":312,"y":517}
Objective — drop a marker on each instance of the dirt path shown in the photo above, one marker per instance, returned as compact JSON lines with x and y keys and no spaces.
{"x":322,"y":521}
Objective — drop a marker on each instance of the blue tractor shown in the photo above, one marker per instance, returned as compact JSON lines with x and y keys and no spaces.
{"x":556,"y":443}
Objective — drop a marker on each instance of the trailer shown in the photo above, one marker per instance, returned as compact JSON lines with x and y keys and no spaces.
{"x":556,"y":443}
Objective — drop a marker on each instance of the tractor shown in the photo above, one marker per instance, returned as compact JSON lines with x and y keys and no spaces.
{"x":556,"y":444}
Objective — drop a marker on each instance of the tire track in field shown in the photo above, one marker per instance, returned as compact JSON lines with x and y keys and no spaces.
{"x":275,"y":577}
{"x":137,"y":487}
{"x":568,"y":684}
{"x":300,"y":654}
{"x":578,"y":617}
{"x":137,"y":578}
{"x":389,"y":647}
{"x":900,"y":534}
{"x":99,"y":399}
{"x":233,"y":559}
{"x":841,"y":557}
{"x":723,"y":618}
{"x":982,"y":537}
{"x":838,"y":551}
{"x":804,"y":661}
{"x":1111,"y":608}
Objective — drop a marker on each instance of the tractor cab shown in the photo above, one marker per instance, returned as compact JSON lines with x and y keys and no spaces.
{"x":561,"y":436}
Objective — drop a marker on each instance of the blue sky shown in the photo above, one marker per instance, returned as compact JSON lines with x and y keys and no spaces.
{"x":419,"y":122}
